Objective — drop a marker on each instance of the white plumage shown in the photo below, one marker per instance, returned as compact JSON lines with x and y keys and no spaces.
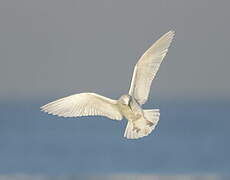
{"x":84,"y":104}
{"x":140,"y":122}
{"x":147,"y":67}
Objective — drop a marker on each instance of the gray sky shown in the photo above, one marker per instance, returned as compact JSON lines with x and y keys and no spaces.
{"x":53,"y":48}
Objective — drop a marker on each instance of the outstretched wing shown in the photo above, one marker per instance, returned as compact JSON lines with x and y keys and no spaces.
{"x":84,"y":104}
{"x":147,"y":67}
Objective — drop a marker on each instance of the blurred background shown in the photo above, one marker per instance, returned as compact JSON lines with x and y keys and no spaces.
{"x":54,"y":48}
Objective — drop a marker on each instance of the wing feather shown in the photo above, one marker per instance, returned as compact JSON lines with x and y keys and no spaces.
{"x":147,"y":67}
{"x":84,"y":104}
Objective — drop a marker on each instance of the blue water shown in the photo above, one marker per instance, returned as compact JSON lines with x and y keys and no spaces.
{"x":192,"y":137}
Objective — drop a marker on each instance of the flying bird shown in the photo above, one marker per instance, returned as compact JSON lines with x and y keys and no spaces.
{"x":141,"y":122}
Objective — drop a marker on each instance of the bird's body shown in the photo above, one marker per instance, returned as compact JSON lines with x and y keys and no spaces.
{"x":140,"y":122}
{"x":131,"y":111}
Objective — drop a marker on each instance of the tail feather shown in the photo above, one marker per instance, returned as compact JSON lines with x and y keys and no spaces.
{"x":144,"y":126}
{"x":130,"y":133}
{"x":152,"y":115}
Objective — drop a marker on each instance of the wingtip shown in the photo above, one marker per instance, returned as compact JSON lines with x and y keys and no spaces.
{"x":42,"y":108}
{"x":171,"y":33}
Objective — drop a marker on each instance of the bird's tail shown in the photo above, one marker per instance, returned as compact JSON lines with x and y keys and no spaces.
{"x":143,"y":126}
{"x":153,"y":115}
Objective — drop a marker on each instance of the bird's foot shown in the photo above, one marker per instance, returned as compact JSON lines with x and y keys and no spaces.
{"x":136,"y":129}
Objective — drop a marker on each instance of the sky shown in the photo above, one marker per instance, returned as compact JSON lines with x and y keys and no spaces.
{"x":54,"y":48}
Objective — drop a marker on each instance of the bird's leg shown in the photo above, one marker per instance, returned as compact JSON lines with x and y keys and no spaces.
{"x":149,"y":123}
{"x":135,"y":125}
{"x":136,"y":129}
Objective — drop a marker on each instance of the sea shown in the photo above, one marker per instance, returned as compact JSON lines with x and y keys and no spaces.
{"x":191,"y":141}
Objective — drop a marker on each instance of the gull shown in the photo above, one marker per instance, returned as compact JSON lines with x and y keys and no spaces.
{"x":141,"y":122}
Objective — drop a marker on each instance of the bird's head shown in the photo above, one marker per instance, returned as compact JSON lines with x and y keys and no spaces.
{"x":125,"y":99}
